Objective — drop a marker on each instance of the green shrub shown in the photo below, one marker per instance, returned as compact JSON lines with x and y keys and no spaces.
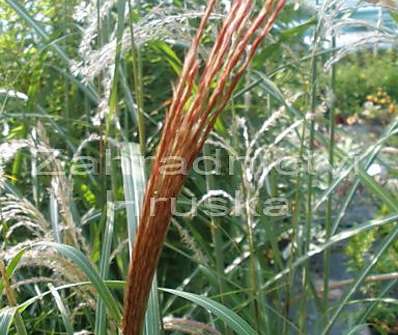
{"x":362,"y":75}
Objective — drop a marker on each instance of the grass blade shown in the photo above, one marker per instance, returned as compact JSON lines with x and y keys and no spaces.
{"x":364,"y":316}
{"x":349,"y":233}
{"x":152,"y":317}
{"x":6,"y":318}
{"x":377,"y":190}
{"x":62,"y":309}
{"x":11,"y":297}
{"x":100,"y":313}
{"x":11,"y":268}
{"x":113,"y":284}
{"x":231,"y":319}
{"x":133,"y":185}
{"x":54,"y":217}
{"x":388,"y":241}
{"x":134,"y":188}
{"x":85,"y":266}
{"x":138,"y":81}
{"x":357,"y":329}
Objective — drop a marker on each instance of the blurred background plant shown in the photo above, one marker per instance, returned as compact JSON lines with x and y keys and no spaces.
{"x":367,"y":81}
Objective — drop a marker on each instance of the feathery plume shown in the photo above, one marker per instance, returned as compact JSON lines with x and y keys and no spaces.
{"x":160,"y":23}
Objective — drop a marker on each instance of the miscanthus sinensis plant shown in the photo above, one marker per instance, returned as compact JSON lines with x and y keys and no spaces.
{"x":274,"y":177}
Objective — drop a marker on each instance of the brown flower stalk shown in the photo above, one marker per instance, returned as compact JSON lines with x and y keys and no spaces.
{"x":198,"y":99}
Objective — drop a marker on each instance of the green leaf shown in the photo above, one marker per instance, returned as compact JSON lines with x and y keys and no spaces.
{"x":231,"y":319}
{"x":379,"y":191}
{"x":62,"y":309}
{"x":113,"y":284}
{"x":394,"y":15}
{"x":299,"y":29}
{"x":269,"y":86}
{"x":364,"y":316}
{"x":152,"y":317}
{"x":386,"y":243}
{"x":6,"y":318}
{"x":53,"y":209}
{"x":88,"y":90}
{"x":23,"y":13}
{"x":134,"y":187}
{"x":19,"y":323}
{"x":344,"y":235}
{"x":357,"y":329}
{"x":170,"y":55}
{"x":11,"y":268}
{"x":128,"y":96}
{"x":100,"y":315}
{"x":85,"y":266}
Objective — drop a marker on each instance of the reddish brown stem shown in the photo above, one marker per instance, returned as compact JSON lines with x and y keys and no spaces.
{"x":187,"y":125}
